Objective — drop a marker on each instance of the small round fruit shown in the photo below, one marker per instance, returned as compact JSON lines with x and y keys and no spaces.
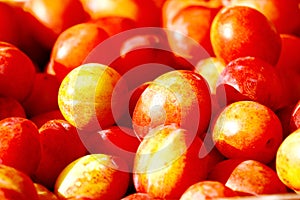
{"x":207,"y":190}
{"x":239,"y":31}
{"x":120,"y":141}
{"x":10,"y":107}
{"x":95,"y":176}
{"x":49,"y":18}
{"x":139,"y":196}
{"x":247,"y":176}
{"x":249,"y":78}
{"x":288,"y":68}
{"x":43,"y":96}
{"x":17,"y":72}
{"x":20,"y":145}
{"x":73,"y":46}
{"x":279,"y":12}
{"x":193,"y":20}
{"x":15,"y":185}
{"x":288,"y":161}
{"x":295,"y":119}
{"x":167,"y":162}
{"x":181,"y":97}
{"x":249,"y":130}
{"x":9,"y":27}
{"x":85,"y":97}
{"x":57,"y":136}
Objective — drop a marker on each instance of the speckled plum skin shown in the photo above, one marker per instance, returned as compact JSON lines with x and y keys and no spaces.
{"x":248,"y":130}
{"x":250,"y":78}
{"x":239,"y":31}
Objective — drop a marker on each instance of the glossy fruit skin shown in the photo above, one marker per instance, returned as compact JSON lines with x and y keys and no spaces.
{"x":57,"y":136}
{"x":17,"y":72}
{"x":20,"y":144}
{"x":115,"y":140}
{"x":247,"y":176}
{"x":43,"y":96}
{"x":249,"y":78}
{"x":113,"y":25}
{"x":139,"y":196}
{"x":288,"y":69}
{"x":248,"y":130}
{"x":135,"y":95}
{"x":9,"y":25}
{"x":95,"y":176}
{"x":174,"y":97}
{"x":279,"y":12}
{"x":207,"y":190}
{"x":143,"y":13}
{"x":10,"y":107}
{"x":16,"y":185}
{"x":193,"y":19}
{"x":73,"y":46}
{"x":287,"y":161}
{"x":92,"y":87}
{"x":44,"y":193}
{"x":48,"y":19}
{"x":167,"y":162}
{"x":285,"y":116}
{"x":239,"y":31}
{"x":210,"y":68}
{"x":144,"y":53}
{"x":295,"y":119}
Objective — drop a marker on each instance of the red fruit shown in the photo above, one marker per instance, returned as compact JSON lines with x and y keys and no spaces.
{"x":17,"y":72}
{"x":210,"y":68}
{"x":247,"y":176}
{"x":10,"y":107}
{"x":114,"y":24}
{"x":175,"y":97}
{"x":143,"y":13}
{"x":279,"y":12}
{"x":20,"y":145}
{"x":99,"y":95}
{"x":143,"y":55}
{"x":43,"y":97}
{"x":118,"y":141}
{"x":15,"y":185}
{"x":73,"y":46}
{"x":288,"y":69}
{"x":192,"y":19}
{"x":248,"y":130}
{"x":44,"y":193}
{"x":207,"y":190}
{"x":28,"y":43}
{"x":288,"y":162}
{"x":143,"y":46}
{"x":50,"y":18}
{"x":94,"y":176}
{"x":239,"y":31}
{"x":213,"y":156}
{"x":61,"y":145}
{"x":9,"y":26}
{"x":295,"y":119}
{"x":168,"y":161}
{"x":139,"y":196}
{"x":41,"y":119}
{"x":285,"y":116}
{"x":250,"y":78}
{"x":135,"y":95}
